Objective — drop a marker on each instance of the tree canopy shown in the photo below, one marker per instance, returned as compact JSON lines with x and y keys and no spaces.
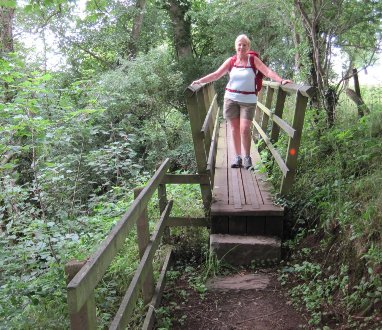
{"x":88,"y":111}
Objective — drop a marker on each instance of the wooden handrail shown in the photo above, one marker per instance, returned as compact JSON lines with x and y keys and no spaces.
{"x":208,"y":119}
{"x":305,"y":90}
{"x":213,"y":149}
{"x":203,"y":112}
{"x":271,"y":148}
{"x":294,"y":131}
{"x":84,"y":276}
{"x":126,"y":308}
{"x":84,"y":282}
{"x":282,"y":123}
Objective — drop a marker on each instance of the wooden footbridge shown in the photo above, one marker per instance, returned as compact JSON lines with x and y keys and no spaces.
{"x":245,"y":223}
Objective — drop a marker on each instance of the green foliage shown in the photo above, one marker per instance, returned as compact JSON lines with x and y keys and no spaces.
{"x":75,"y":142}
{"x":337,"y":199}
{"x":76,"y":149}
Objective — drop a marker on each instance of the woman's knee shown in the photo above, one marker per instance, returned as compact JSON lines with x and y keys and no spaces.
{"x":245,"y":128}
{"x":235,"y":125}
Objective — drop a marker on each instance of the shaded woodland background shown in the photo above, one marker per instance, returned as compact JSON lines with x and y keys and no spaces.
{"x":89,"y":111}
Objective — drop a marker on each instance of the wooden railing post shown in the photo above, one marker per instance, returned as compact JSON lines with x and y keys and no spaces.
{"x":85,"y":318}
{"x":279,"y":109}
{"x":196,"y":111}
{"x":258,"y":112}
{"x":162,"y":200}
{"x":265,"y":118}
{"x":205,"y":108}
{"x":143,"y":235}
{"x":294,"y":143}
{"x":213,"y":104}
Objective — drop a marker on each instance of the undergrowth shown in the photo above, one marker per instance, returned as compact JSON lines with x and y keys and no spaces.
{"x":33,"y":282}
{"x":334,"y":222}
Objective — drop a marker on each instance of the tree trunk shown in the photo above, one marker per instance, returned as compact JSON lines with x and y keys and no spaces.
{"x":6,"y":29}
{"x":6,"y":42}
{"x":182,"y":27}
{"x":319,"y":52}
{"x":137,"y":27}
{"x":361,"y":106}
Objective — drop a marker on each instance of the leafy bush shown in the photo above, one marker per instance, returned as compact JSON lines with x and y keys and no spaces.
{"x":336,"y":202}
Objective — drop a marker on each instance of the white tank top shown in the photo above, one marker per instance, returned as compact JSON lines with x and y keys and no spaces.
{"x":241,"y":85}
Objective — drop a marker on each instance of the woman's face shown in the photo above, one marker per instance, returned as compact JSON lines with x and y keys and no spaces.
{"x":242,"y":46}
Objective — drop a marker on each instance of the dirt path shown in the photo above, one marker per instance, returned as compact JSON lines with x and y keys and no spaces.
{"x":246,"y":300}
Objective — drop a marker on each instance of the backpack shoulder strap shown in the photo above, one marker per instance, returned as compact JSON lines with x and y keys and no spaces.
{"x":232,"y":62}
{"x":252,"y":55}
{"x":252,"y":62}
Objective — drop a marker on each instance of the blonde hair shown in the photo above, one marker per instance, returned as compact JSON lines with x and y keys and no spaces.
{"x":243,"y":37}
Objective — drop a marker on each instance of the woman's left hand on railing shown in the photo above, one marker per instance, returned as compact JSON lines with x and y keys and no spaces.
{"x":285,"y":81}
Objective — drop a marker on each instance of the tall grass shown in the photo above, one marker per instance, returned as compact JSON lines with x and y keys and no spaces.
{"x":336,"y":207}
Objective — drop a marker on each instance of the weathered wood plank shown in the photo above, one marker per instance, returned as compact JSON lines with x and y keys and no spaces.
{"x":86,"y":317}
{"x":294,"y":144}
{"x":143,"y":237}
{"x":126,"y":308}
{"x":260,"y":181}
{"x":208,"y":121}
{"x":212,"y":154}
{"x":148,"y":324}
{"x":233,"y":176}
{"x":236,"y":195}
{"x":196,"y":112}
{"x":204,"y":106}
{"x":220,"y":209}
{"x":251,"y":195}
{"x":83,"y":284}
{"x":256,"y":225}
{"x":279,"y":109}
{"x":237,"y":225}
{"x":280,"y":122}
{"x":283,"y":167}
{"x":274,"y":226}
{"x":230,"y":156}
{"x":268,"y":104}
{"x":258,"y":202}
{"x":220,"y":191}
{"x":256,"y":159}
{"x":162,"y":201}
{"x":291,"y":88}
{"x":219,"y":225}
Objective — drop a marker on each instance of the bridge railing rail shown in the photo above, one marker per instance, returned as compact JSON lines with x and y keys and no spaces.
{"x":269,"y":120}
{"x":84,"y":277}
{"x":204,"y":119}
{"x":203,"y":111}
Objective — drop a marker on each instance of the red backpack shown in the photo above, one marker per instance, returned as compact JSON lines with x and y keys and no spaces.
{"x":259,"y":76}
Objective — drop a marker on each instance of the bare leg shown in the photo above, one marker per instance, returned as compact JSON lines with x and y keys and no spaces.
{"x":245,"y":132}
{"x":235,"y":131}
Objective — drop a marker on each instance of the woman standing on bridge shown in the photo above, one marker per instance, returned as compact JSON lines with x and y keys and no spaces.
{"x":240,"y":96}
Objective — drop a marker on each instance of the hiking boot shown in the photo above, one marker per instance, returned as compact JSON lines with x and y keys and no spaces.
{"x":247,"y":162}
{"x":236,"y":162}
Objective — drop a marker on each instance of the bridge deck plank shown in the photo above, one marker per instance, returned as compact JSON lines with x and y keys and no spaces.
{"x":239,"y":192}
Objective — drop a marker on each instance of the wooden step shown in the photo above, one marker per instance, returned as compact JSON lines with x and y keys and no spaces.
{"x":246,"y":250}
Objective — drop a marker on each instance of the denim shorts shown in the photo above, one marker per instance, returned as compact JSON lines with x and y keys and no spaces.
{"x":234,"y":109}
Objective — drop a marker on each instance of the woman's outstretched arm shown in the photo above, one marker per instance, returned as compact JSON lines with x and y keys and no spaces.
{"x":268,"y":72}
{"x":223,"y":69}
